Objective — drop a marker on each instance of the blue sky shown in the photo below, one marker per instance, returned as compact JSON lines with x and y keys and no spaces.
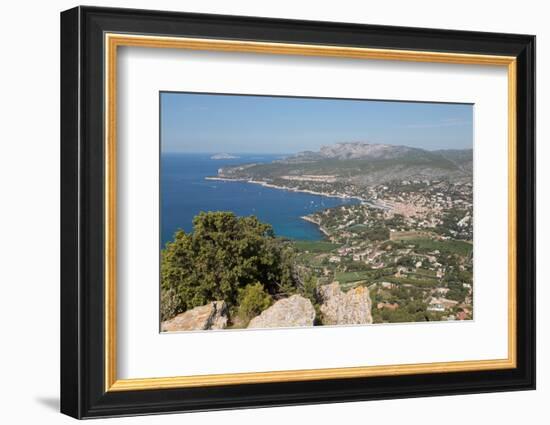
{"x":213,"y":123}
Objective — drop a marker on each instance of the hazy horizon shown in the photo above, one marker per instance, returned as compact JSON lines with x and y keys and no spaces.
{"x":250,"y":124}
{"x":278,"y":153}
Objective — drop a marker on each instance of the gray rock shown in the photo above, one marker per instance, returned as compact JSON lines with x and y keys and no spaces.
{"x":209,"y":316}
{"x":345,"y":308}
{"x":288,"y":312}
{"x":364,"y":150}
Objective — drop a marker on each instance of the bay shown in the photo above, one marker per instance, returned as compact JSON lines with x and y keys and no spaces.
{"x":185,"y":193}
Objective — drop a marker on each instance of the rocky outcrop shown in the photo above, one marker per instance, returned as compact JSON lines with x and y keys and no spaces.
{"x":345,"y":308}
{"x":209,"y":316}
{"x":288,"y":312}
{"x":364,"y":150}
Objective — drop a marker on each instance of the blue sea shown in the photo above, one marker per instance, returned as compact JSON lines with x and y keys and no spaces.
{"x":185,"y":193}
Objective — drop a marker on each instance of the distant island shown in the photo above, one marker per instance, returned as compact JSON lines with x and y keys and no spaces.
{"x":223,"y":156}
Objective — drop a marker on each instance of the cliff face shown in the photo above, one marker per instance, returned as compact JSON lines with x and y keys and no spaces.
{"x":353,"y":150}
{"x":288,"y":312}
{"x":209,"y":316}
{"x":361,"y":150}
{"x":345,"y":308}
{"x":337,"y":308}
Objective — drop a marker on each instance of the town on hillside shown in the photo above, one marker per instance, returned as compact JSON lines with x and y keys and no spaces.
{"x":411,"y":245}
{"x":408,"y":238}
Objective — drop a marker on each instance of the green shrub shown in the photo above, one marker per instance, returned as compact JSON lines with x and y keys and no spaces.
{"x":309,"y":289}
{"x":253,"y":299}
{"x":223,"y":254}
{"x":169,"y":304}
{"x":378,"y":234}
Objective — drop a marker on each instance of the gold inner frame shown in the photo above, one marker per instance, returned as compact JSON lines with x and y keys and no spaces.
{"x":113,"y":41}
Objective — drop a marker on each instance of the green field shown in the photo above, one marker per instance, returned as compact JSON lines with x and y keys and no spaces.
{"x":425,"y":273}
{"x":424,"y":283}
{"x":311,"y":259}
{"x":449,"y":246}
{"x":358,"y":227}
{"x":348,"y":277}
{"x":316,"y":246}
{"x":408,"y":235}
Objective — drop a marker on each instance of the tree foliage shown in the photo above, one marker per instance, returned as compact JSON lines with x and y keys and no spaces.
{"x":378,"y":233}
{"x":169,"y":304}
{"x":223,"y":254}
{"x":253,"y":299}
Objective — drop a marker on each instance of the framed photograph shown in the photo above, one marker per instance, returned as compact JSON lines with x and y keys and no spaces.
{"x":261,"y":212}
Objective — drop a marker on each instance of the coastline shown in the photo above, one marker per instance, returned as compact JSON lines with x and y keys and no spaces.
{"x":312,"y":220}
{"x":290,"y":189}
{"x":375,"y":204}
{"x":311,"y":192}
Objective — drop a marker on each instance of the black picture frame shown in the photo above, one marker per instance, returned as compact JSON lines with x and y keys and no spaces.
{"x":83,"y":392}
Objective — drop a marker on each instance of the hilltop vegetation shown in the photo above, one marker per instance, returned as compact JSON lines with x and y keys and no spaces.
{"x":234,"y":260}
{"x":358,"y":163}
{"x":224,"y":258}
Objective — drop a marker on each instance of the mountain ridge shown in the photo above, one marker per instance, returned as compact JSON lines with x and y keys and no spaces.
{"x":361,"y":163}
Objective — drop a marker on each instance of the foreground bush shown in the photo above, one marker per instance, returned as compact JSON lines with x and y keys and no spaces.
{"x":222,"y":255}
{"x":253,"y":299}
{"x":169,"y":304}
